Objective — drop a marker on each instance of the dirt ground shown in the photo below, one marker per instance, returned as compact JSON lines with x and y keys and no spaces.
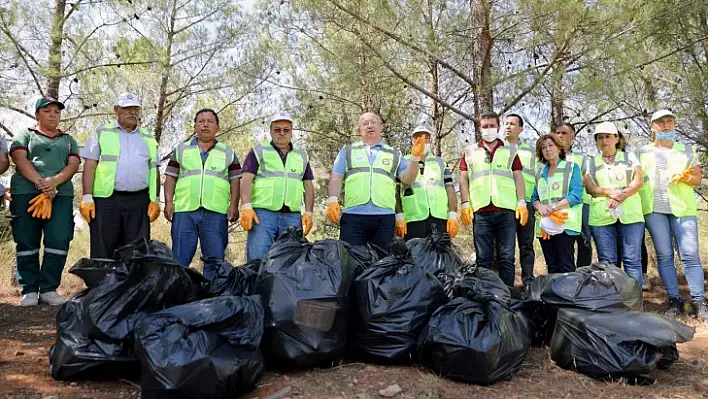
{"x":27,"y":334}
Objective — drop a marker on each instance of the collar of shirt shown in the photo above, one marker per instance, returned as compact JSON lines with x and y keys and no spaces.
{"x":35,"y":129}
{"x":195,"y":141}
{"x":282,"y":155}
{"x":117,"y":125}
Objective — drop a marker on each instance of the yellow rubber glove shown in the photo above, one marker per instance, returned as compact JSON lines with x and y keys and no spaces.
{"x":87,"y":208}
{"x":307,"y":223}
{"x":453,"y":226}
{"x":522,"y":214}
{"x":248,"y":216}
{"x":153,"y":211}
{"x":466,"y":214}
{"x":401,"y":228}
{"x":47,"y":209}
{"x":681,"y":177}
{"x":418,"y":149}
{"x":38,"y":206}
{"x":545,"y":236}
{"x":334,"y":211}
{"x":558,"y":217}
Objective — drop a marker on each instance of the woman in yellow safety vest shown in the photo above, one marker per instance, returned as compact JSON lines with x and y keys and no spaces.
{"x":558,"y":200}
{"x":614,"y":178}
{"x":671,"y":172}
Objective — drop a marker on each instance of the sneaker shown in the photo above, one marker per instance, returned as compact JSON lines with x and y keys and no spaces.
{"x":675,"y":308}
{"x":52,"y":298}
{"x":646,"y":284}
{"x":700,"y":309}
{"x":31,"y":299}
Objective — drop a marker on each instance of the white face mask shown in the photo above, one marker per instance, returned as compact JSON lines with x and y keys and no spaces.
{"x":427,"y":148}
{"x":490,"y":134}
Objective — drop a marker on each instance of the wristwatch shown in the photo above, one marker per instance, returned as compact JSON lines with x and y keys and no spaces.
{"x":553,"y":207}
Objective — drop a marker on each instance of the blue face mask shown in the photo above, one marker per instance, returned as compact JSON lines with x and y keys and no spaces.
{"x":669,"y":136}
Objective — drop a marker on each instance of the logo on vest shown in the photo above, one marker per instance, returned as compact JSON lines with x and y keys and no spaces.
{"x":292,"y":170}
{"x":619,"y":176}
{"x":386,"y":162}
{"x":556,"y":186}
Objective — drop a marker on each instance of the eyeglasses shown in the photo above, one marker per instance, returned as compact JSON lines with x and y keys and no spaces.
{"x":281,"y":130}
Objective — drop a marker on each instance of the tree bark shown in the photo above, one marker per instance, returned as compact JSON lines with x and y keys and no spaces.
{"x":166,"y":69}
{"x":54,"y":72}
{"x":482,"y":59}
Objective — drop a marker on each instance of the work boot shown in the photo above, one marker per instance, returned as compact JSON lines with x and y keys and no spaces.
{"x":700,"y":309}
{"x":52,"y":298}
{"x":646,"y":284}
{"x":675,"y":308}
{"x":30,"y":299}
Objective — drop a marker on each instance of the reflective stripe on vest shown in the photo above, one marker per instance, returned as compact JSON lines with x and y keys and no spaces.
{"x":364,"y":182}
{"x":490,"y":182}
{"x":203,"y":184}
{"x":429,"y":195}
{"x":109,"y":144}
{"x":276,"y":184}
{"x":556,"y":189}
{"x":618,"y":177}
{"x":681,"y":196}
{"x":527,"y":156}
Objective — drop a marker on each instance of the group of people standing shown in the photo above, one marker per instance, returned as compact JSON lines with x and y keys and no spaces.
{"x":509,"y":192}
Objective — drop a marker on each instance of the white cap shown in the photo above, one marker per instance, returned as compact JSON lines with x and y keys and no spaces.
{"x":662,"y":113}
{"x":128,"y":100}
{"x":422,"y":129}
{"x":606,"y":128}
{"x":282,"y":116}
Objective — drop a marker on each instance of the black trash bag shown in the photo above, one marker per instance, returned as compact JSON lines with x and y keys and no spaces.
{"x":363,"y":256}
{"x":476,"y":338}
{"x":230,"y":280}
{"x":435,"y":253}
{"x":480,"y":284}
{"x":393,"y":299}
{"x":93,"y":271}
{"x":620,"y":344}
{"x":75,"y":356}
{"x":204,"y":349}
{"x":304,"y":290}
{"x":595,"y":287}
{"x":113,"y":308}
{"x":144,"y":248}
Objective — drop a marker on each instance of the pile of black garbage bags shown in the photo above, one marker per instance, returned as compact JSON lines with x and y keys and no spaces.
{"x":318,"y":304}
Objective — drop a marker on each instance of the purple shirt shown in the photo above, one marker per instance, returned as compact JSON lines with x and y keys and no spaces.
{"x":250,"y":164}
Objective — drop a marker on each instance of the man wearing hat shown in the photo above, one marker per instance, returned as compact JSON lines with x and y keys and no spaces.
{"x":276,"y":176}
{"x":671,"y":171}
{"x":202,"y":192}
{"x":42,"y":203}
{"x":120,"y":180}
{"x":430,"y":200}
{"x":368,"y":169}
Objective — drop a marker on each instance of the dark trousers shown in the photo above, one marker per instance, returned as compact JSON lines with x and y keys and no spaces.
{"x":424,"y":228}
{"x":584,"y":240}
{"x":27,"y":233}
{"x":360,"y":229}
{"x":525,"y":236}
{"x":499,"y":226}
{"x":120,"y":219}
{"x":559,"y":253}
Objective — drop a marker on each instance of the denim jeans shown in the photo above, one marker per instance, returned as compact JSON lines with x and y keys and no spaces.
{"x":630,"y":237}
{"x":263,"y":234}
{"x":559,"y":253}
{"x":499,"y":226}
{"x":663,"y":229}
{"x":210,"y":228}
{"x":362,"y":229}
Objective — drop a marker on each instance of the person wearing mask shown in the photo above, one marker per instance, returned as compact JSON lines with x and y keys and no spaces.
{"x":120,"y":180}
{"x":558,"y":200}
{"x":565,"y":132}
{"x":46,"y":159}
{"x":368,"y":169}
{"x":524,"y":234}
{"x":493,"y":196}
{"x":614,"y":178}
{"x":202,"y":193}
{"x":277,"y":179}
{"x":431,"y":200}
{"x":671,"y":171}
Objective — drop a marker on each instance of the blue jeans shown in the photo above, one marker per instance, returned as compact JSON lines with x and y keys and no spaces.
{"x":663,"y":229}
{"x":499,"y":226}
{"x":210,"y":228}
{"x":263,"y":234}
{"x":630,"y":237}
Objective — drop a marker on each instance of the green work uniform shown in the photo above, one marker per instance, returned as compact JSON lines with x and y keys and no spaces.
{"x":48,"y":157}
